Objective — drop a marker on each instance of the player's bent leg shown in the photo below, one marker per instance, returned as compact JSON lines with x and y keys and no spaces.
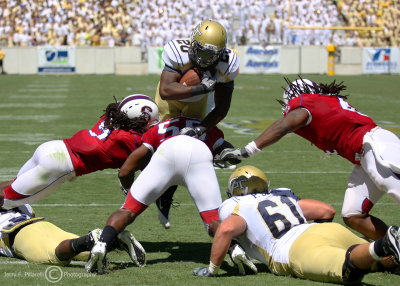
{"x":78,"y":248}
{"x":36,"y":243}
{"x":163,"y":204}
{"x":49,"y":167}
{"x":368,"y":225}
{"x":323,"y":259}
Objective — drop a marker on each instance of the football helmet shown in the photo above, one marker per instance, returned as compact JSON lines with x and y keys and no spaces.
{"x":299,"y":87}
{"x":247,"y":180}
{"x":207,"y":44}
{"x":136,"y":105}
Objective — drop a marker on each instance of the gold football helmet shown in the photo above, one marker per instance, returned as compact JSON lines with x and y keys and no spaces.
{"x":247,"y":180}
{"x":207,"y":44}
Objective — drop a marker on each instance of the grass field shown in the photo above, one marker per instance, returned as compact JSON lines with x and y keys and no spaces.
{"x":35,"y":109}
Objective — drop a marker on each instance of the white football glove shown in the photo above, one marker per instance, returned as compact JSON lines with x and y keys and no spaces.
{"x":230,"y":154}
{"x":202,"y":272}
{"x":241,"y":261}
{"x":193,"y":132}
{"x":97,"y":260}
{"x":207,"y":84}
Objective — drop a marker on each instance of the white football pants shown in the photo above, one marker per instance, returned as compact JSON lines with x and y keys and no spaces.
{"x":49,"y":167}
{"x":180,"y":160}
{"x":379,"y":172}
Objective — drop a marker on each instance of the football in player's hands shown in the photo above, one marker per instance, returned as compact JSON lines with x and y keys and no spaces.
{"x":191,"y":77}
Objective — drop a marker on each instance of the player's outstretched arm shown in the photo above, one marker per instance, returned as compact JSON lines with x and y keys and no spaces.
{"x":317,"y":210}
{"x":230,"y":228}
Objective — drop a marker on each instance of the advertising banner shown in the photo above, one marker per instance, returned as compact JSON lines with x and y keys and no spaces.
{"x":155,"y":63}
{"x":56,"y":59}
{"x":381,"y":60}
{"x":261,"y":60}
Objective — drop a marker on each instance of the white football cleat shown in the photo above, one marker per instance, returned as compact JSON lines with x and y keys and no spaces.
{"x":163,"y":220}
{"x":97,"y":260}
{"x":95,"y":235}
{"x":241,"y":260}
{"x":392,"y":242}
{"x":133,"y":247}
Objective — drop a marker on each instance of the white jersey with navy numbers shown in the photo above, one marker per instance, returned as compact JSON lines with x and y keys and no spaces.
{"x":274,"y":221}
{"x":176,"y":58}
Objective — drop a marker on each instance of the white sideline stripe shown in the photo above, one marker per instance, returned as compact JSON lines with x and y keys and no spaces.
{"x":32,"y":105}
{"x":40,"y":118}
{"x":41,"y":90}
{"x":180,"y":204}
{"x":22,"y":262}
{"x":32,"y":96}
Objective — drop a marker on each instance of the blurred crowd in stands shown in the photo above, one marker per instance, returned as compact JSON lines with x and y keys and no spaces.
{"x":153,"y":22}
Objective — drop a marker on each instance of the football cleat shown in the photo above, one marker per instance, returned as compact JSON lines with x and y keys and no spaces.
{"x":135,"y":250}
{"x":163,"y":204}
{"x":97,"y":260}
{"x":391,"y":242}
{"x":94,"y":235}
{"x":242,"y":262}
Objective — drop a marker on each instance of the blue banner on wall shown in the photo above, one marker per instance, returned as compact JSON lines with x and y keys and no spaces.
{"x":56,"y":59}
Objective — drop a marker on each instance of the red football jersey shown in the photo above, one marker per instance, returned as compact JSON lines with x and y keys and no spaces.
{"x":99,"y":149}
{"x":171,"y":127}
{"x":336,"y":127}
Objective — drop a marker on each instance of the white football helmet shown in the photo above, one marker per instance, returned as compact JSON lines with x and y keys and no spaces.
{"x":247,"y":180}
{"x":299,"y":87}
{"x":136,"y":105}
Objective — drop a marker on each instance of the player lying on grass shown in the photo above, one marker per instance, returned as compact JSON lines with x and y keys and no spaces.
{"x":271,"y":226}
{"x":106,"y":145}
{"x":177,"y":160}
{"x":321,"y":115}
{"x":35,"y":240}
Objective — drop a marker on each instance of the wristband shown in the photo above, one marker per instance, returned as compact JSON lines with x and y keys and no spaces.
{"x":252,"y":149}
{"x":213,"y":268}
{"x":198,"y":89}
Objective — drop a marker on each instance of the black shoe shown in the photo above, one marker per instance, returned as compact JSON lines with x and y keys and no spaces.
{"x":163,"y":204}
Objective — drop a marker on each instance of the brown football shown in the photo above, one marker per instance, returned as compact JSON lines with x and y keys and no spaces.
{"x":190,"y":78}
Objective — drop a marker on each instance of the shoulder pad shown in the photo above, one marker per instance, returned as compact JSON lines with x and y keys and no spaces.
{"x":286,"y":192}
{"x":18,"y":224}
{"x":175,"y":55}
{"x":228,"y":66}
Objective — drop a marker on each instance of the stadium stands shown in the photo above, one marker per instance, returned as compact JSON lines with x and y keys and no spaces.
{"x":153,"y":22}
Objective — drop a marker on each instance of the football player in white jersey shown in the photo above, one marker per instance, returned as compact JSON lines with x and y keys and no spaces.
{"x":272,"y":227}
{"x":207,"y":52}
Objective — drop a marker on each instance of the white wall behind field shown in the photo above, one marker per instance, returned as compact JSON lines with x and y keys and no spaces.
{"x":128,"y":60}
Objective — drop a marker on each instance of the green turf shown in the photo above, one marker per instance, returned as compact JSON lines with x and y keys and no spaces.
{"x":35,"y":109}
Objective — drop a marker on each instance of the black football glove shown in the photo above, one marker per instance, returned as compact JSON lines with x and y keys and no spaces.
{"x":193,"y":132}
{"x":229,"y":154}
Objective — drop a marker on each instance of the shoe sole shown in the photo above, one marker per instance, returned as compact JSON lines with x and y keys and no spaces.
{"x":394,"y":237}
{"x":136,"y":251}
{"x":92,"y":263}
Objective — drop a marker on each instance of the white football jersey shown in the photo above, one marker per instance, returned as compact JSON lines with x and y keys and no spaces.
{"x":8,"y":219}
{"x":274,"y":221}
{"x":176,"y":57}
